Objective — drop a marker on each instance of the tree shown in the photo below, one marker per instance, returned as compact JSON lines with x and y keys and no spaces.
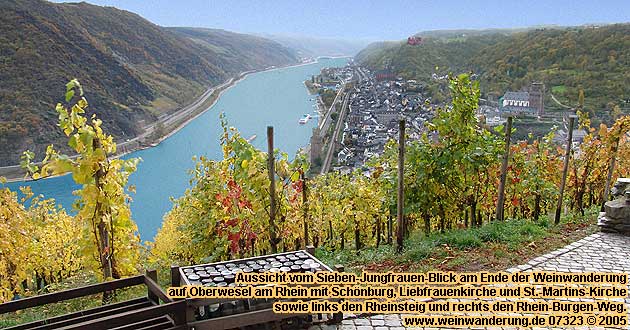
{"x":15,"y":235}
{"x":224,"y":213}
{"x":448,"y":171}
{"x":109,"y":240}
{"x":533,"y":177}
{"x":589,"y":169}
{"x":34,"y":245}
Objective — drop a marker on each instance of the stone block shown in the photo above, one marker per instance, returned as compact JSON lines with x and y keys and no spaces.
{"x":618,"y":209}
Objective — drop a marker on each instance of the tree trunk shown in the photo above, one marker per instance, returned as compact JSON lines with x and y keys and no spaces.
{"x":343,"y":240}
{"x":330,"y":230}
{"x":580,"y":201}
{"x":389,"y":229}
{"x":105,"y":259}
{"x":537,"y":207}
{"x":479,"y":218}
{"x":378,"y":231}
{"x":104,"y":248}
{"x":442,"y":217}
{"x":465,"y":218}
{"x":357,"y":234}
{"x":473,"y":213}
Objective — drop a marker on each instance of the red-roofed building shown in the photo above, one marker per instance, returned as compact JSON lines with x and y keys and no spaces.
{"x":414,"y":41}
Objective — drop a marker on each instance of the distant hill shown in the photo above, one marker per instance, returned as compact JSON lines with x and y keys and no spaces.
{"x":237,"y":52}
{"x":594,"y":58}
{"x":375,"y":51}
{"x":313,"y":47}
{"x":457,"y":33}
{"x":420,"y":62}
{"x":132,"y":70}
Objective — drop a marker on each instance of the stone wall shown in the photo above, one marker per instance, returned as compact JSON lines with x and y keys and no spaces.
{"x":616,"y":218}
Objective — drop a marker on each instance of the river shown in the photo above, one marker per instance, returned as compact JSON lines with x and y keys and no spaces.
{"x":276,"y":97}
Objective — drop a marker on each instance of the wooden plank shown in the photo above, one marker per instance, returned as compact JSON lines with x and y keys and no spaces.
{"x":13,"y":306}
{"x":175,"y":276}
{"x":161,"y":322}
{"x":79,"y":314}
{"x":105,"y":313}
{"x":240,"y":320}
{"x":179,"y":327}
{"x":156,"y":291}
{"x":130,"y":317}
{"x":159,"y":326}
{"x":152,"y":276}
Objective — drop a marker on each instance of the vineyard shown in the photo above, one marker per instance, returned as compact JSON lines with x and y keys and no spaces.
{"x":253,"y":202}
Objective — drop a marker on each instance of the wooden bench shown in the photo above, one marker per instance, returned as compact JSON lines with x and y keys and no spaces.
{"x":139,"y":313}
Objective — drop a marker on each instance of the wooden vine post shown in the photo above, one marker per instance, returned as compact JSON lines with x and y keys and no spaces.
{"x":565,"y":169}
{"x":400,"y":221}
{"x":389,"y":229}
{"x":305,"y":208}
{"x":504,"y":165}
{"x":272,"y":190}
{"x":611,"y":168}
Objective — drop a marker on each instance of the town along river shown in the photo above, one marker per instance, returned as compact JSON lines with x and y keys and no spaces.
{"x":277,"y":98}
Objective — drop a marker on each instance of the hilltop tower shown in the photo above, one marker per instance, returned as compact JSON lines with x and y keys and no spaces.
{"x":537,"y":97}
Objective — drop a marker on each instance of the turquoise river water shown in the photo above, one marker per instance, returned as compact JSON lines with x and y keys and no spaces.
{"x":277,"y":98}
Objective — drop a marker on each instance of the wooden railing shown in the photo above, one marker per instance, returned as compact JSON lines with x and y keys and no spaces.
{"x":171,"y":314}
{"x":156,"y":310}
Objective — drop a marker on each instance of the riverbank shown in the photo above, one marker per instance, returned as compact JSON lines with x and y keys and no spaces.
{"x":166,"y":126}
{"x":264,"y":99}
{"x":212,"y":100}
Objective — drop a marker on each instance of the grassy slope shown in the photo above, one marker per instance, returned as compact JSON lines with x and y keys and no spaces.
{"x":493,"y":247}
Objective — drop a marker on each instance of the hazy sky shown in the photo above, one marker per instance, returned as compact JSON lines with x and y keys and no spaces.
{"x":377,"y":20}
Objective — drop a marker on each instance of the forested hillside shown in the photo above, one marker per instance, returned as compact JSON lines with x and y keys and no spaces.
{"x":594,"y":59}
{"x":133,"y":69}
{"x":235,"y":51}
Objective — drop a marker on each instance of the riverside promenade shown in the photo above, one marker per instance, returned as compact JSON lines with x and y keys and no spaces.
{"x":600,"y":252}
